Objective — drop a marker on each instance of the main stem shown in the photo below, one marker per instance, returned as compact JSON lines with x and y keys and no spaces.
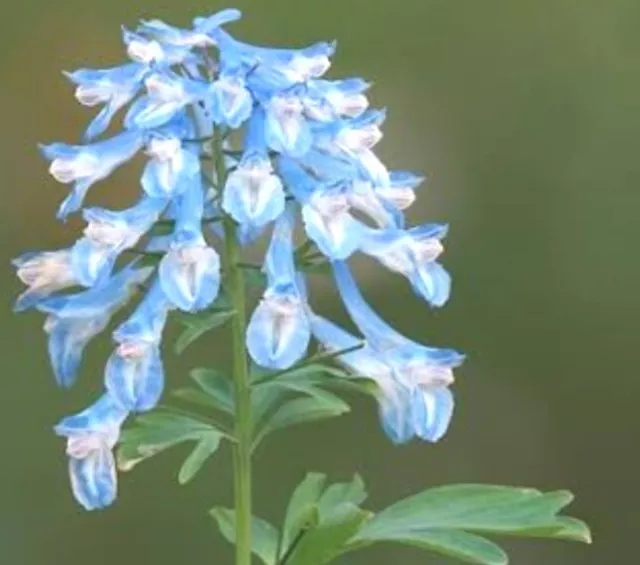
{"x":242,"y":448}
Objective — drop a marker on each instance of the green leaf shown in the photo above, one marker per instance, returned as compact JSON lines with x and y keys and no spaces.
{"x":195,"y":396}
{"x":302,"y":506}
{"x":312,"y":372}
{"x":441,"y":518}
{"x":331,"y":379}
{"x":302,"y":410}
{"x":563,"y":528}
{"x":267,"y":394}
{"x":204,"y":449}
{"x":321,"y":406}
{"x":484,"y":508}
{"x":264,"y":400}
{"x":157,"y":431}
{"x":320,"y":521}
{"x":198,"y":325}
{"x":326,"y":540}
{"x":455,"y":543}
{"x":339,"y":494}
{"x":264,"y":537}
{"x":216,"y":386}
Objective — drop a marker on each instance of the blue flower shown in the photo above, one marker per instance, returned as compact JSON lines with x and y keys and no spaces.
{"x":84,"y":165}
{"x":424,"y":372}
{"x":292,"y":143}
{"x":114,"y":88}
{"x":171,"y":168}
{"x":286,"y":128}
{"x":91,"y":436}
{"x":43,"y":272}
{"x":232,"y":103}
{"x":362,"y":196}
{"x":167,"y":95}
{"x":73,"y":320}
{"x":413,"y":253}
{"x":189,"y":273}
{"x":253,"y":194}
{"x":107,"y":234}
{"x":199,"y":36}
{"x":394,"y":397}
{"x":278,"y":333}
{"x":148,"y":51}
{"x":276,"y":69}
{"x":134,"y":375}
{"x":329,"y":224}
{"x":325,"y":212}
{"x":346,"y":97}
{"x":211,"y":23}
{"x":399,"y":193}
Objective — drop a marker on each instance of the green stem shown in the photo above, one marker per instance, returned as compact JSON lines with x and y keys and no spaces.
{"x":242,"y":448}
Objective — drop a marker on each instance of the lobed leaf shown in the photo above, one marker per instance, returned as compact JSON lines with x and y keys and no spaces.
{"x":160,"y":430}
{"x":199,"y":324}
{"x":455,"y":543}
{"x":302,"y":506}
{"x":205,"y":448}
{"x":323,"y":542}
{"x":216,"y":386}
{"x":443,"y":519}
{"x":321,"y":406}
{"x":264,"y":536}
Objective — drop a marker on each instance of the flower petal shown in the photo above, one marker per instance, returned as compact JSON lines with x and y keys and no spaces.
{"x":135,"y":381}
{"x":93,"y":479}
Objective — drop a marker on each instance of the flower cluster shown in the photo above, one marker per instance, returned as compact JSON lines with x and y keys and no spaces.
{"x":306,"y":152}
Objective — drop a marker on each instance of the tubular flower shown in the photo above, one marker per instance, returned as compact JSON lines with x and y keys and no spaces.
{"x":290,"y":149}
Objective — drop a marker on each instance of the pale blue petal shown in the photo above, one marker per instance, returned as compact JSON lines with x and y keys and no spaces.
{"x":363,"y":362}
{"x":279,"y":263}
{"x":253,"y":195}
{"x":85,"y":165}
{"x":210,"y":23}
{"x":277,"y":338}
{"x":101,"y":122}
{"x":432,"y":282}
{"x":148,"y":113}
{"x":97,"y":301}
{"x":189,"y":206}
{"x":91,"y":263}
{"x":29,"y":299}
{"x":433,"y":421}
{"x":232,"y":103}
{"x":93,"y":479}
{"x":395,"y":414}
{"x":148,"y":320}
{"x":427,"y":231}
{"x":377,"y":331}
{"x":337,"y":237}
{"x":67,"y":340}
{"x":101,"y":416}
{"x":163,"y":179}
{"x":287,"y":130}
{"x":299,"y":183}
{"x":135,"y":382}
{"x":190,"y":276}
{"x":74,"y":200}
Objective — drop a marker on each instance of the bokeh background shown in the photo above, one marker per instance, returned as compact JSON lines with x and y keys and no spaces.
{"x":525,"y":115}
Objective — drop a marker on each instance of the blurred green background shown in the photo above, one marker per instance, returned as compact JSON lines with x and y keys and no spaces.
{"x":526,"y":117}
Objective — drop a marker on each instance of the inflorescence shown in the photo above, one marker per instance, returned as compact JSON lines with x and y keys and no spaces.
{"x":306,"y":152}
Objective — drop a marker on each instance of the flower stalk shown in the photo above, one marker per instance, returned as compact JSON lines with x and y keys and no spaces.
{"x":242,"y":431}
